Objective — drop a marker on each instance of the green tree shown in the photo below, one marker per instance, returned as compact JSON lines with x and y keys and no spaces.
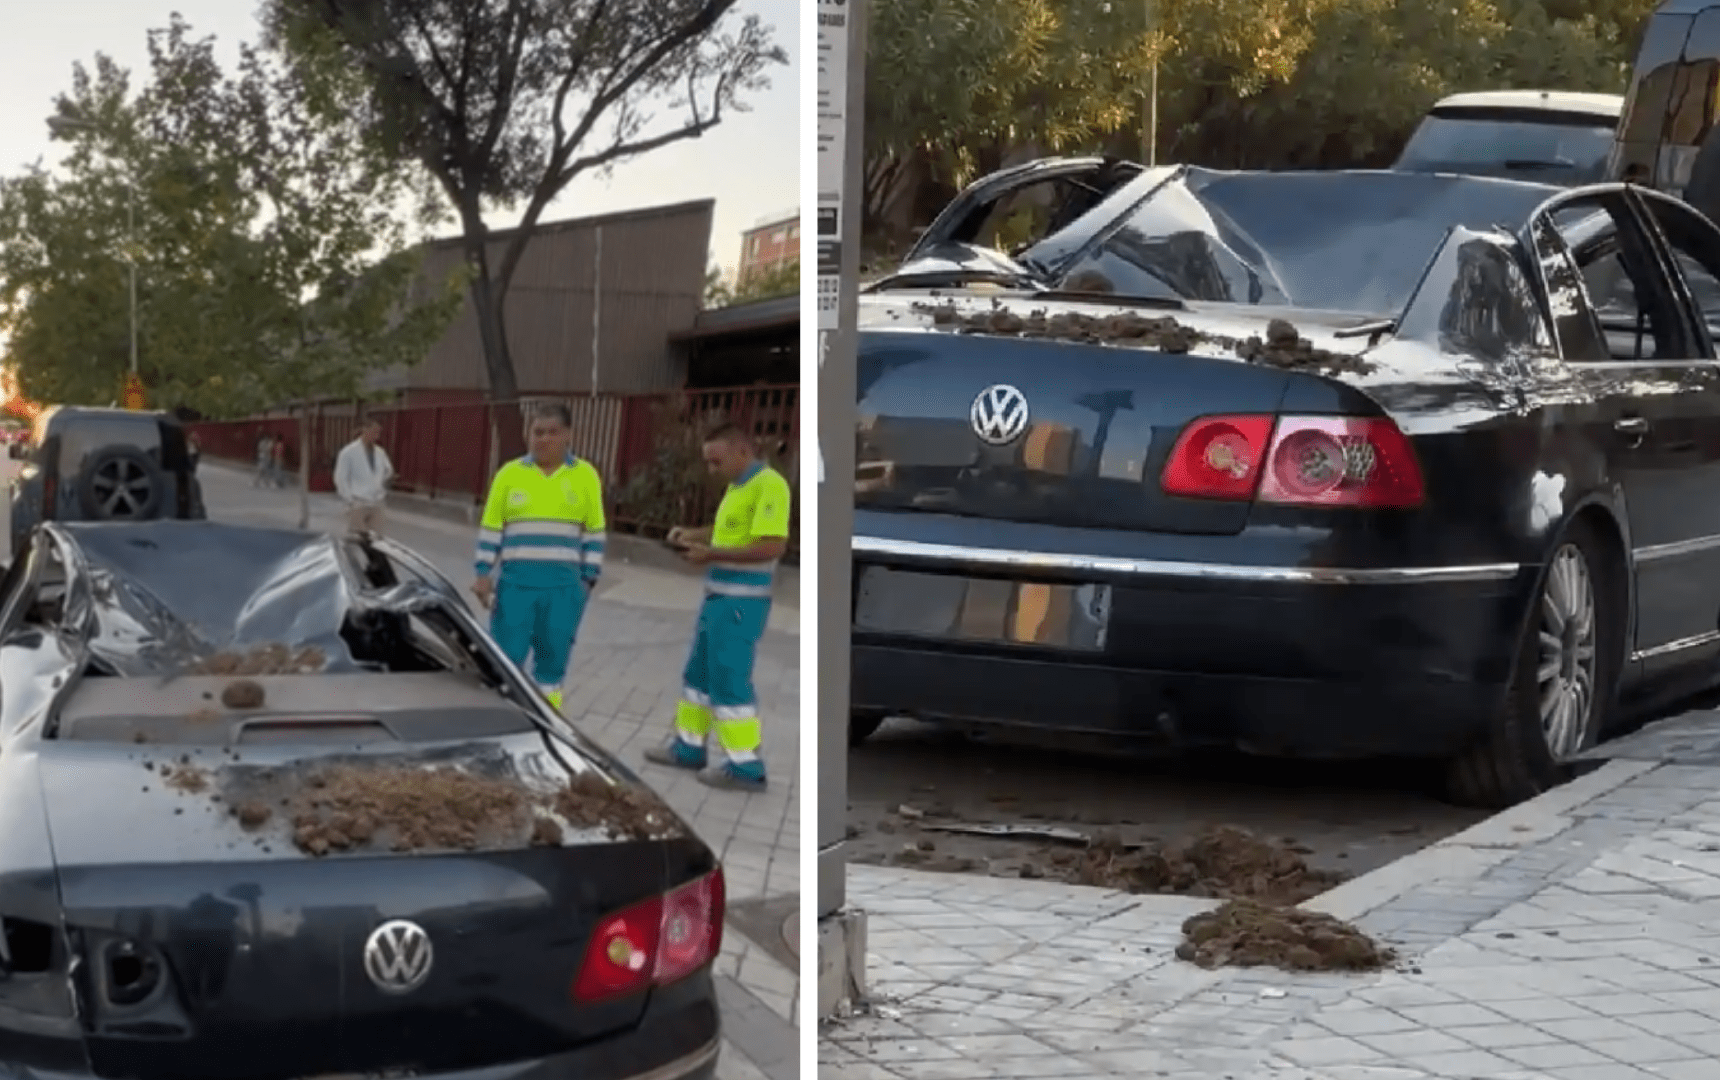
{"x":505,"y":102}
{"x":271,"y":267}
{"x":954,"y":86}
{"x":262,"y":236}
{"x":778,"y":281}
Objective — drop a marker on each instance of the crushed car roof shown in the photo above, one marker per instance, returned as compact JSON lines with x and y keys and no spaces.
{"x":166,"y":596}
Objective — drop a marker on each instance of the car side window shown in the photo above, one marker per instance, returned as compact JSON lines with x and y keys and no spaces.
{"x":1695,"y":247}
{"x":1618,"y":276}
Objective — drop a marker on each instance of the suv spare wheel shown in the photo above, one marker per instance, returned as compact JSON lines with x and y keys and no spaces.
{"x":121,"y":483}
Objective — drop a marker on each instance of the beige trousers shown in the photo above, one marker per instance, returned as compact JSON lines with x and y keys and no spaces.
{"x":364,"y":518}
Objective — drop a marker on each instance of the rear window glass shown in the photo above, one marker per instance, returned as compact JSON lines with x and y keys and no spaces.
{"x":1566,"y":147}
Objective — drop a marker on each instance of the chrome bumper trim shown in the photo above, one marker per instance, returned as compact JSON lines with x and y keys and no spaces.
{"x":998,"y":558}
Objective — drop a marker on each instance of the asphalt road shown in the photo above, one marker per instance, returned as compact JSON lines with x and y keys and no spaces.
{"x":910,"y":778}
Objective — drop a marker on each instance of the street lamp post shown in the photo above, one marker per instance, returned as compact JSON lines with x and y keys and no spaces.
{"x":66,"y":125}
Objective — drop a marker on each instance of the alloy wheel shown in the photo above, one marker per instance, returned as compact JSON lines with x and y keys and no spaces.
{"x":1566,"y":669}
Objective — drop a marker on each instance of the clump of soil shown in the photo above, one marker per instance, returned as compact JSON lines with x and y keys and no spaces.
{"x":1246,"y":933}
{"x":546,"y":833}
{"x":588,"y":801}
{"x":1223,"y":863}
{"x":1283,"y":347}
{"x":186,"y":777}
{"x":252,"y":815}
{"x":342,"y":808}
{"x":243,"y":694}
{"x":265,"y":660}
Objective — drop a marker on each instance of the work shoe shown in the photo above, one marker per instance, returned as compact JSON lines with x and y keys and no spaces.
{"x":677,"y":754}
{"x":732,"y":777}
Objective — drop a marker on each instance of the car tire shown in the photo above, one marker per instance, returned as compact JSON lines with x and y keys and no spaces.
{"x":1521,"y":754}
{"x":121,"y":483}
{"x":863,"y":724}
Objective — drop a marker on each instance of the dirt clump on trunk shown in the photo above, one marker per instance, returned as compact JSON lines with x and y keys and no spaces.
{"x":264,"y":660}
{"x":406,"y":809}
{"x":589,"y":801}
{"x":1247,"y":933}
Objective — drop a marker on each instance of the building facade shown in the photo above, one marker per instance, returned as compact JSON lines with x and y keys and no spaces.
{"x":770,"y":245}
{"x":595,"y":307}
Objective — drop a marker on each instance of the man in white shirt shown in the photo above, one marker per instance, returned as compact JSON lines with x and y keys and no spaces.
{"x":361,"y":475}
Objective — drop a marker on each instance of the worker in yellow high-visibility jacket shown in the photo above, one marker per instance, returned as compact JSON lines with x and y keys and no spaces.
{"x":543,"y":523}
{"x":741,"y":551}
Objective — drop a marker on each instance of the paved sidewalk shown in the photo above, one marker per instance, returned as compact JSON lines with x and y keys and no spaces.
{"x":622,"y":690}
{"x":1575,"y":937}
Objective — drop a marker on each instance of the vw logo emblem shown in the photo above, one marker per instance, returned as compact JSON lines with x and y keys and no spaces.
{"x":397,"y":956}
{"x":999,"y":414}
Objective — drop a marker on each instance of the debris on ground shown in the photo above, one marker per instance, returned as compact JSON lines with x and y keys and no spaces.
{"x":243,"y":694}
{"x":1224,"y":863}
{"x":406,"y":809}
{"x":1282,"y":347}
{"x":264,"y":660}
{"x":1246,"y":933}
{"x":1017,"y":832}
{"x":589,"y":801}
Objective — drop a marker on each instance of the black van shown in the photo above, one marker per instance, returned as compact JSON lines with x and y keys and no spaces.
{"x":1667,"y":136}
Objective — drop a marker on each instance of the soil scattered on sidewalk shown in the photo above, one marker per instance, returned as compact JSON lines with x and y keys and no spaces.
{"x":1247,"y":933}
{"x":1224,"y":863}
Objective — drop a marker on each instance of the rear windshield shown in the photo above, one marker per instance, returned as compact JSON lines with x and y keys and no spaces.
{"x":1566,"y":147}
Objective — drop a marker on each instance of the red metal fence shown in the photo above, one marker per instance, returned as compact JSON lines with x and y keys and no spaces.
{"x":645,"y":446}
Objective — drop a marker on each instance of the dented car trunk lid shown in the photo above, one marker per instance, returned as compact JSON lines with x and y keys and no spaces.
{"x":213,"y":938}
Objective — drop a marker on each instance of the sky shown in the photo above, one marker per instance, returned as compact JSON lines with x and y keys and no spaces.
{"x":750,"y":163}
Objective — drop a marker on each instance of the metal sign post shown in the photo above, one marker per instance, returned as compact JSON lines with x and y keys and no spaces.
{"x":841,"y":103}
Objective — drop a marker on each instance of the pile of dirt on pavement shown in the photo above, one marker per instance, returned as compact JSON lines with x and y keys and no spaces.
{"x":407,"y":809}
{"x":1224,"y":863}
{"x":1246,"y":933}
{"x":264,"y":660}
{"x":589,"y":801}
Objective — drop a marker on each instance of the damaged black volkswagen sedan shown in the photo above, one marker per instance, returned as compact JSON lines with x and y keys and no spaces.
{"x":276,"y":807}
{"x":1307,"y":464}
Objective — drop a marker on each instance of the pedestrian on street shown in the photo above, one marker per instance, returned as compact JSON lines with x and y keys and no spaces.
{"x":740,"y":551}
{"x":265,"y":458}
{"x":278,"y":462}
{"x":543,"y":523}
{"x":361,"y":475}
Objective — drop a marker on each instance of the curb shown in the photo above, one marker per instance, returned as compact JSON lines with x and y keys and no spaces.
{"x":1475,"y":850}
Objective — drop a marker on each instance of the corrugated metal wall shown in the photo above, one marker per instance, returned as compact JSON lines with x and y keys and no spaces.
{"x":649,"y":281}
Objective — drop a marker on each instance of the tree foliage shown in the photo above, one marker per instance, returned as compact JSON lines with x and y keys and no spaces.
{"x":505,"y":102}
{"x":270,"y":266}
{"x":956,"y":86}
{"x":778,"y":281}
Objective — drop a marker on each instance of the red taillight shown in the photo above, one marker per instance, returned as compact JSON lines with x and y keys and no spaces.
{"x":655,"y":942}
{"x":1300,"y":460}
{"x":1218,"y":457}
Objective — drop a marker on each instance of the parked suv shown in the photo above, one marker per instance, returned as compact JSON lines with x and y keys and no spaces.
{"x":1666,"y":136}
{"x":1543,"y":136}
{"x":87,"y":464}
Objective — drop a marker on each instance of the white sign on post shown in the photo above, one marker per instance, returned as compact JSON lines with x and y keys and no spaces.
{"x":832,"y":143}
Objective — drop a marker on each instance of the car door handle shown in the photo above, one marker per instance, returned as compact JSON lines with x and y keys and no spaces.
{"x":1631,"y":425}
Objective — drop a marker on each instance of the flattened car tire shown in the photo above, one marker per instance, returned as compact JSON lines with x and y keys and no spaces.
{"x":1561,"y":685}
{"x":121,"y":483}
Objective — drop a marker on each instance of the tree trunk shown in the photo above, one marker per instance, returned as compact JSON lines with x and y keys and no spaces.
{"x":488,"y":299}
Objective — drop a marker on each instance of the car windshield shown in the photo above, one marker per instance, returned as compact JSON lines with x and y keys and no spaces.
{"x":1566,"y":146}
